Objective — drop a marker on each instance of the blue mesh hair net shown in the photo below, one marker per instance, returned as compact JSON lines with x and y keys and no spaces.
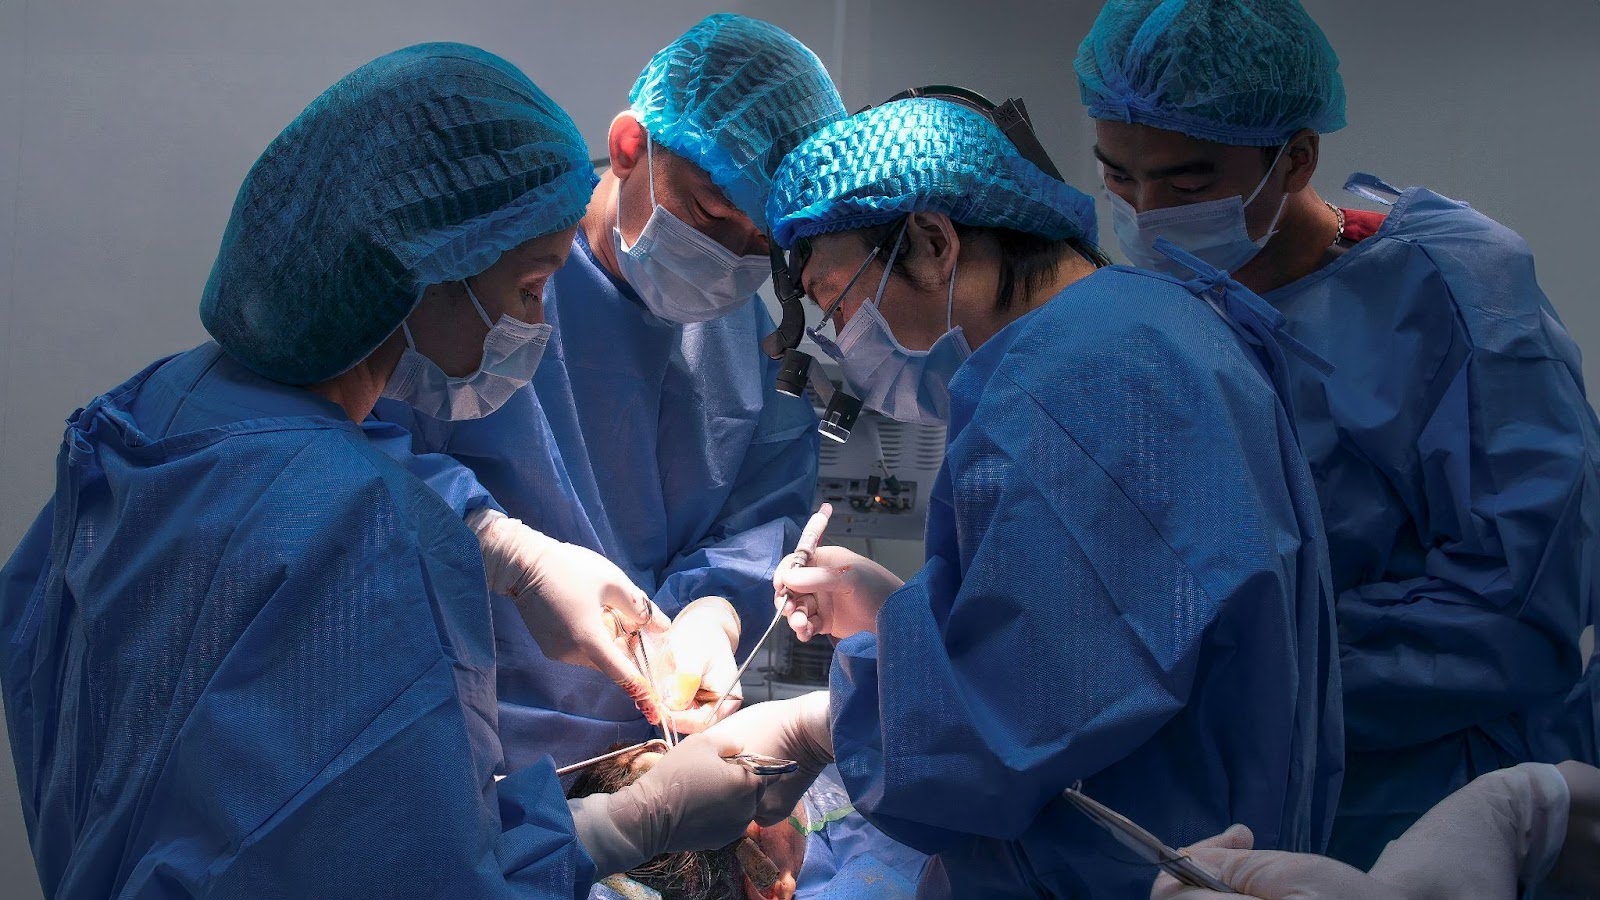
{"x":421,"y":167}
{"x":1242,"y":72}
{"x":919,"y":155}
{"x":733,"y":96}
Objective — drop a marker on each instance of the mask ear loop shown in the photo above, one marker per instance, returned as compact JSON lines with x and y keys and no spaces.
{"x":950,"y":300}
{"x":888,"y":266}
{"x":1272,"y":227}
{"x":1263,"y":182}
{"x":482,"y":314}
{"x":650,"y":160}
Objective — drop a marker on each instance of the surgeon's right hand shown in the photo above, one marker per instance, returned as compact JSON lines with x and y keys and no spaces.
{"x":571,"y":599}
{"x":838,"y":594}
{"x":797,"y":729}
{"x":1271,"y":874}
{"x":692,"y":799}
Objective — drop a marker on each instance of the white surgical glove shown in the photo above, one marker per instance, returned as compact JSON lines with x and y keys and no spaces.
{"x":1503,"y":828}
{"x":1577,"y":869}
{"x":702,"y":640}
{"x":692,"y":799}
{"x":838,"y":594}
{"x":572,"y":599}
{"x":796,"y":729}
{"x":1271,"y":874}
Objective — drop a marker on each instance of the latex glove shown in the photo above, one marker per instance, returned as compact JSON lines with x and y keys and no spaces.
{"x":1504,"y":828}
{"x":1271,"y":874}
{"x":701,"y":642}
{"x":1577,"y":869}
{"x":572,"y":599}
{"x":797,"y":729}
{"x":838,"y":594}
{"x":692,"y":799}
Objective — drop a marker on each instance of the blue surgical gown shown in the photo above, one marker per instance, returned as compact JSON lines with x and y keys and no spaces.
{"x":1455,"y":455}
{"x":846,"y":857}
{"x":246,"y":655}
{"x":662,"y":446}
{"x":1126,"y":585}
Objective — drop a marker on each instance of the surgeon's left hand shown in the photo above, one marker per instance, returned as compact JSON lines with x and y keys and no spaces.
{"x":1271,"y":874}
{"x":797,"y":729}
{"x":839,"y":593}
{"x":702,"y":639}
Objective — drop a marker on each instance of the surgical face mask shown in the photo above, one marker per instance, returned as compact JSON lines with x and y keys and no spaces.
{"x":682,"y":275}
{"x":908,"y":385}
{"x":511,"y":353}
{"x":1214,"y":231}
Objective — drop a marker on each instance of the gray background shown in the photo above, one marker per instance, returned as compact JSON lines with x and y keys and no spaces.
{"x":126,"y":128}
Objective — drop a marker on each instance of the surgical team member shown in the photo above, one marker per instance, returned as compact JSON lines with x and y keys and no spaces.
{"x":245,"y":654}
{"x":1453,"y":448}
{"x":1126,"y":582}
{"x":651,"y":433}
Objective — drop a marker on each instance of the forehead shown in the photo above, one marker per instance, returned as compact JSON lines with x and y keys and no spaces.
{"x":834,"y":250}
{"x":1134,"y":147}
{"x":541,"y":253}
{"x":687,"y":178}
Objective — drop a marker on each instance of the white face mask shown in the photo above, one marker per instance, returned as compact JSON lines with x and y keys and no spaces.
{"x":907,"y":385}
{"x":511,"y":354}
{"x":680,"y":274}
{"x":1214,"y":231}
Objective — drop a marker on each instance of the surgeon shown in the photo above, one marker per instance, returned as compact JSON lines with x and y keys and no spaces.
{"x":244,"y":653}
{"x":1126,"y":583}
{"x":650,"y":434}
{"x":1453,"y":447}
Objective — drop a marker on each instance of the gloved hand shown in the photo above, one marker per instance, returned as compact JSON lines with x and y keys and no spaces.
{"x":693,"y":799}
{"x":571,"y":598}
{"x":1577,"y":869}
{"x":702,"y":641}
{"x":1502,"y":829}
{"x":1271,"y":874}
{"x":838,"y":594}
{"x":797,"y":729}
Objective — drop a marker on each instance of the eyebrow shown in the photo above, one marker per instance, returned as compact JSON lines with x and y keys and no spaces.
{"x":1193,"y":167}
{"x":552,"y":260}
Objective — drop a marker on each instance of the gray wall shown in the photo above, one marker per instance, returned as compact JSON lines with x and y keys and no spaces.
{"x":125,"y":129}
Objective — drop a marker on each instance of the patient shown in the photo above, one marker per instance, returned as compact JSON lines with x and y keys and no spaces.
{"x":762,"y":865}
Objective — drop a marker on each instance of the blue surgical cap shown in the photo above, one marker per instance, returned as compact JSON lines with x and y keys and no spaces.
{"x":919,"y":155}
{"x":421,"y":167}
{"x":733,"y":96}
{"x":1242,"y":72}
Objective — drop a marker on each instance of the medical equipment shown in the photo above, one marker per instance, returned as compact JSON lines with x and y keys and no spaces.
{"x":755,"y":763}
{"x":1011,"y":117}
{"x":810,"y":538}
{"x":1148,"y":846}
{"x":765,"y":766}
{"x":668,"y":735}
{"x":879,"y":484}
{"x":841,"y":408}
{"x":654,"y":745}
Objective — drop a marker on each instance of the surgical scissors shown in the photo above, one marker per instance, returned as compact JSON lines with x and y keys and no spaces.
{"x":1148,"y":846}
